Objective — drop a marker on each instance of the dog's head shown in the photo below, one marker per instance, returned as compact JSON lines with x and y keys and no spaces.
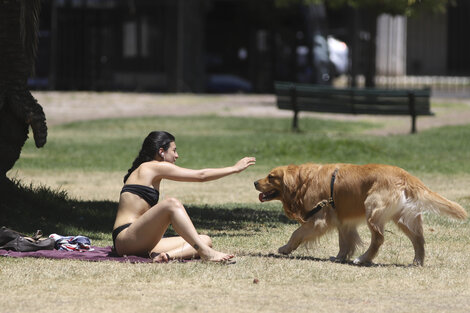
{"x":281,"y":184}
{"x":271,"y":186}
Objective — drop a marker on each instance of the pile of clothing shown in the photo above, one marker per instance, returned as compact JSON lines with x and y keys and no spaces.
{"x":72,"y":243}
{"x":16,"y":241}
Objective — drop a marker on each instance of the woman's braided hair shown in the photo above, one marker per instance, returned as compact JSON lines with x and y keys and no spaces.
{"x":152,"y":143}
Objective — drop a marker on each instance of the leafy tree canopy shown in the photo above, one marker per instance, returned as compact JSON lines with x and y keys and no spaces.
{"x":402,"y":7}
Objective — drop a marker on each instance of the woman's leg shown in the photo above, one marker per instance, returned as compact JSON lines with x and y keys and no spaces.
{"x":176,"y":248}
{"x":146,"y":232}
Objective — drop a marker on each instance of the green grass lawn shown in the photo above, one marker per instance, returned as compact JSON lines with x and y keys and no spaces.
{"x":305,"y":281}
{"x":210,"y":141}
{"x":111,"y":145}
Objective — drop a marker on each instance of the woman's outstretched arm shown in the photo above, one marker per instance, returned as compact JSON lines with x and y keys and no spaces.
{"x":170,"y":171}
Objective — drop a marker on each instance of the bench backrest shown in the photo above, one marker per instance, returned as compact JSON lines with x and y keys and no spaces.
{"x":317,"y":98}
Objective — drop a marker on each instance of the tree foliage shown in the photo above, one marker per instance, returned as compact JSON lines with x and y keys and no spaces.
{"x":394,"y":7}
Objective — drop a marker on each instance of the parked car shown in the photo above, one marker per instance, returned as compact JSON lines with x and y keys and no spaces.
{"x":227,"y":83}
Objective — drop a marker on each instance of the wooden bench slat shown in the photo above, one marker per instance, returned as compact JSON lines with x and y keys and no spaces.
{"x":358,"y":109}
{"x":281,"y":87}
{"x":358,"y":94}
{"x":315,"y":104}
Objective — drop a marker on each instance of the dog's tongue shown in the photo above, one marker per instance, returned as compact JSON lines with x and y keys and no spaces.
{"x":261,"y":197}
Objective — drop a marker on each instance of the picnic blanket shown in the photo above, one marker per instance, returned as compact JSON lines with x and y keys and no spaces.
{"x":94,"y":254}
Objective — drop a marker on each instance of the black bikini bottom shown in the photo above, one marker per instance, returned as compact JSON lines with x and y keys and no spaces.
{"x":116,"y":233}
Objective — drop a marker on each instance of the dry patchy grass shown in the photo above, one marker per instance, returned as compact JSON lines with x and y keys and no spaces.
{"x":106,"y":186}
{"x":303,"y":282}
{"x":96,"y":186}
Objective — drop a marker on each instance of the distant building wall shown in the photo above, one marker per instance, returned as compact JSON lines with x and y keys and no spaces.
{"x":427,"y":45}
{"x":391,"y":45}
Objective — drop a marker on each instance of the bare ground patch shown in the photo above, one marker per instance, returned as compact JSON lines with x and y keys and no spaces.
{"x":64,"y":107}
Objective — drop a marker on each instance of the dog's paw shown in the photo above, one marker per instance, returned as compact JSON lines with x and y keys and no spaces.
{"x":284,"y":250}
{"x":360,"y":262}
{"x":338,"y":260}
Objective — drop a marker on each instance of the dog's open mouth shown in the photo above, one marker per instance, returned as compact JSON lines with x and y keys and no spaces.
{"x":269,"y":195}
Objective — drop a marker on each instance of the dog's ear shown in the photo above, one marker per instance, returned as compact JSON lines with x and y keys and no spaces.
{"x":291,"y":183}
{"x":291,"y":178}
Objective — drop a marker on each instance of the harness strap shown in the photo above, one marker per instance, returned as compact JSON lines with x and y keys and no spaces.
{"x":324,"y":203}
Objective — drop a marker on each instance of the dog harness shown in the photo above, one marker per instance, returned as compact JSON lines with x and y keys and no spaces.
{"x":324,"y":203}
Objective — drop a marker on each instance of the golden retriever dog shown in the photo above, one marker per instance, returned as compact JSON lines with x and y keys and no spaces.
{"x":323,"y":197}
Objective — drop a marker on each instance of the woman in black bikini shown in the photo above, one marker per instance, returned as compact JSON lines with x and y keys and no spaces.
{"x":141,"y":220}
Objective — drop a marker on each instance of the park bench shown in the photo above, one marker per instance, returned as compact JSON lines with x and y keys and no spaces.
{"x":317,"y":98}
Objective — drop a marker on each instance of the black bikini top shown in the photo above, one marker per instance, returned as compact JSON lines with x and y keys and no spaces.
{"x":149,"y":194}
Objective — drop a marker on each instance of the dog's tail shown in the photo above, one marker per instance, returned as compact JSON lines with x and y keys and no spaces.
{"x":431,"y":201}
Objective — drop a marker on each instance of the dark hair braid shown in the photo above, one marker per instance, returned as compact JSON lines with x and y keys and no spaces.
{"x":152,"y":143}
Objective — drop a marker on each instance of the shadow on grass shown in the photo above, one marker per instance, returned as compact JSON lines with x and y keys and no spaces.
{"x":27,"y":208}
{"x":329,"y":260}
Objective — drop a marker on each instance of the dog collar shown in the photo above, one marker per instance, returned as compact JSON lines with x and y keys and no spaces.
{"x":324,"y":203}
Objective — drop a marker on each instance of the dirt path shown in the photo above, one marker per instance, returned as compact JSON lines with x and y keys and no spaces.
{"x":64,"y":107}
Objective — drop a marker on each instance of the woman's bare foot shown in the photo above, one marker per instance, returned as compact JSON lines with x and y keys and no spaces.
{"x":212,"y":255}
{"x":159,"y":257}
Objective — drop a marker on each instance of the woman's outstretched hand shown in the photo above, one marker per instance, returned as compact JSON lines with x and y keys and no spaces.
{"x":244,"y":163}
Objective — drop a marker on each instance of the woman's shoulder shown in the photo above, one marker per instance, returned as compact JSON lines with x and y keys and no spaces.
{"x":145,"y":173}
{"x":155,"y":167}
{"x":149,"y":166}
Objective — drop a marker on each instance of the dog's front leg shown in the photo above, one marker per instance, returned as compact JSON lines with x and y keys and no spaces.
{"x":308,"y":231}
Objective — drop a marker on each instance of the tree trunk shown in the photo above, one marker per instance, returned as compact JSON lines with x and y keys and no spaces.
{"x":372,"y":48}
{"x":18,"y":108}
{"x":354,"y":51}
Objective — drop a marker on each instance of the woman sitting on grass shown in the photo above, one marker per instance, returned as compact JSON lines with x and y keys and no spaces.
{"x":141,"y":220}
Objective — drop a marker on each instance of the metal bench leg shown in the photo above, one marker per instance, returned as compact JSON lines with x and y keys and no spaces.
{"x":293,"y":97}
{"x":411,"y":104}
{"x":413,"y":124}
{"x":295,"y":125}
